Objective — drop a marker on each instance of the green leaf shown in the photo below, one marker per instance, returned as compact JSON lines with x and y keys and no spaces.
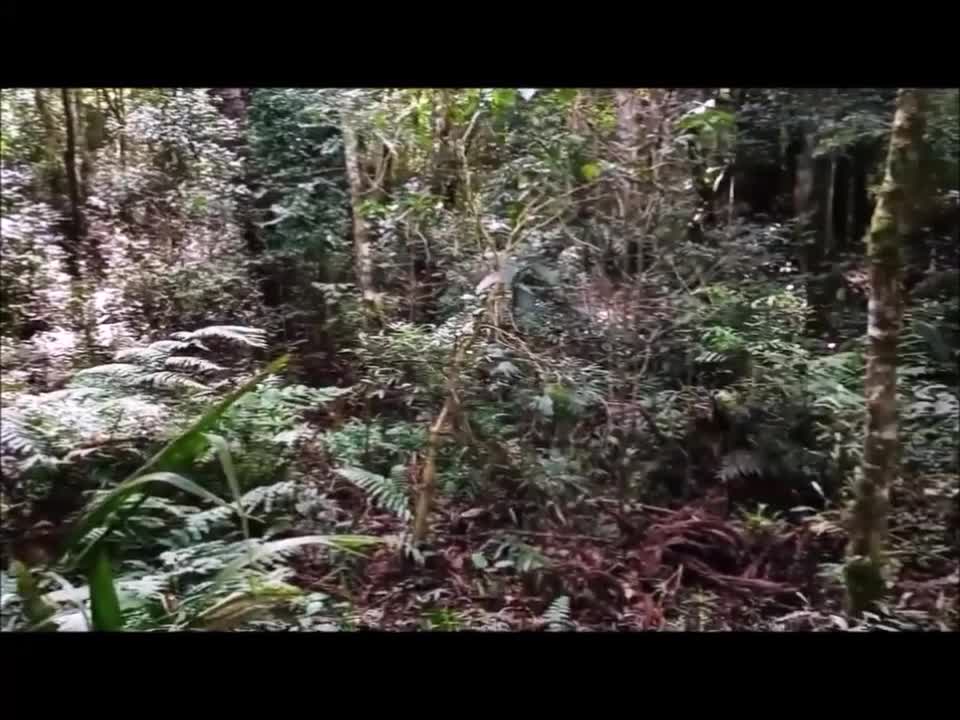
{"x":182,"y":449}
{"x":100,"y":513}
{"x":104,"y":603}
{"x":226,"y":461}
{"x":191,"y":443}
{"x":590,"y":171}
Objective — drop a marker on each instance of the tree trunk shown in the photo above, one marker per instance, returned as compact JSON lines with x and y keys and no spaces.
{"x":53,"y":186}
{"x":75,"y":225}
{"x":861,"y":158}
{"x":445,"y":170}
{"x":628,"y":141}
{"x":234,"y":104}
{"x":362,"y":253}
{"x":841,"y":183}
{"x":819,"y":246}
{"x":894,"y":218}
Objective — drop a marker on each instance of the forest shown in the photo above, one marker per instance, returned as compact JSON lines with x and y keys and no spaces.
{"x":479,"y":359}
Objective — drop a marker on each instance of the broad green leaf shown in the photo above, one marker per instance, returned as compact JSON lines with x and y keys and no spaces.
{"x":226,"y":460}
{"x":100,"y":513}
{"x":182,"y":449}
{"x":188,"y":445}
{"x":104,"y":604}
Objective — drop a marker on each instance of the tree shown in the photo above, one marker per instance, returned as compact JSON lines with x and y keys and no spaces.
{"x":893,"y":220}
{"x":362,"y":253}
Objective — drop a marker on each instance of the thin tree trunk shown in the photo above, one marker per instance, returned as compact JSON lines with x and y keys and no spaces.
{"x":841,"y":192}
{"x":362,"y":253}
{"x":122,"y":118}
{"x":628,"y":141}
{"x":52,"y":160}
{"x":233,"y":104}
{"x":428,"y":480}
{"x":829,"y":235}
{"x":445,"y":170}
{"x":75,"y":226}
{"x":894,"y":218}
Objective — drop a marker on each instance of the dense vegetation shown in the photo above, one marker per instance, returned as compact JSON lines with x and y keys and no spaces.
{"x":295,"y":359}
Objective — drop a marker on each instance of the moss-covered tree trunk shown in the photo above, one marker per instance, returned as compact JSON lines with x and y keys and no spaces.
{"x":893,"y":220}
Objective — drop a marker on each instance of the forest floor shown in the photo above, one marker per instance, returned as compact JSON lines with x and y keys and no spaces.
{"x":692,"y":567}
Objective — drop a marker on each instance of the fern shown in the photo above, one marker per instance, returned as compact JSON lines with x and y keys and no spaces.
{"x":155,"y":352}
{"x":199,"y":525}
{"x":268,"y":496}
{"x":388,"y":494}
{"x":557,"y":615}
{"x":738,"y":463}
{"x":113,"y":370}
{"x":194,"y":364}
{"x":158,"y":366}
{"x":21,"y":438}
{"x":711,"y":358}
{"x":252,"y":337}
{"x":170,"y":380}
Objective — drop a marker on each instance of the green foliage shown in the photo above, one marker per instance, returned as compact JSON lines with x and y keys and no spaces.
{"x":557,"y":615}
{"x":298,"y":155}
{"x":652,"y":344}
{"x":156,"y":365}
{"x":104,"y":603}
{"x":180,"y":451}
{"x":389,"y":493}
{"x":371,"y":445}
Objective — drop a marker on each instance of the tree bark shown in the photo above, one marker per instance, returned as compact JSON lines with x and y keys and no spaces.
{"x":819,"y":247}
{"x":234,"y":105}
{"x":75,"y":226}
{"x":362,"y":253}
{"x":841,"y":183}
{"x":446,"y":172}
{"x":51,"y":157}
{"x":628,"y":141}
{"x":894,"y":218}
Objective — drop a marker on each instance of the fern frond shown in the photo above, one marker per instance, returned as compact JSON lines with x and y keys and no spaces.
{"x":118,"y":370}
{"x":195,"y":364}
{"x":557,"y":616}
{"x":268,"y":496}
{"x":19,"y":438}
{"x":386,"y":493}
{"x":252,"y":337}
{"x":711,"y":358}
{"x":738,"y":463}
{"x":257,"y":552}
{"x":152,"y":353}
{"x":169,"y":380}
